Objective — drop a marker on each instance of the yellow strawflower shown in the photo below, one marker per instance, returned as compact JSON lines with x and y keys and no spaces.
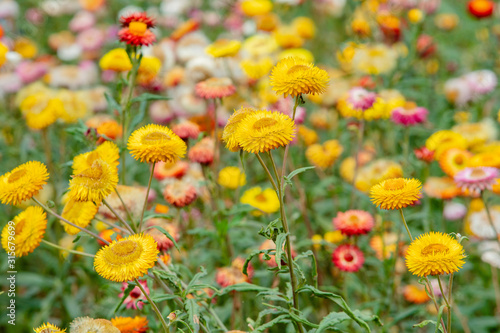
{"x":231,"y":177}
{"x":154,"y":143}
{"x":23,"y":182}
{"x":116,"y":60}
{"x":396,"y":193}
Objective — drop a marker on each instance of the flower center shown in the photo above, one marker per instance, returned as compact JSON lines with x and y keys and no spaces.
{"x":123,"y":252}
{"x":137,"y":28}
{"x":155,"y":138}
{"x":354,"y":219}
{"x":261,"y":197}
{"x":477,"y":173}
{"x":348,"y":257}
{"x":16,"y":175}
{"x":434,"y":249}
{"x":394,"y":184}
{"x":459,"y":159}
{"x":92,"y":157}
{"x":264,"y":122}
{"x":296,"y":68}
{"x":93,"y":173}
{"x":20,"y":226}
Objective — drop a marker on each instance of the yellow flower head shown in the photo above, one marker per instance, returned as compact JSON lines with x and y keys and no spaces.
{"x":94,"y":183}
{"x":294,"y":76}
{"x":108,"y":152}
{"x":48,"y":328}
{"x":256,"y":7}
{"x":154,"y":143}
{"x":255,"y":69}
{"x":148,"y":69}
{"x":287,"y":37}
{"x":434,"y":253}
{"x":261,"y":131}
{"x":116,"y":60}
{"x":26,"y":48}
{"x":223,"y":48}
{"x":29,"y":228}
{"x":74,"y":106}
{"x":305,"y":27}
{"x":297,"y":53}
{"x":3,"y":54}
{"x":334,"y":237}
{"x":80,"y":213}
{"x":396,"y":193}
{"x":441,"y":141}
{"x":23,"y":182}
{"x":231,"y":177}
{"x":454,"y":160}
{"x":307,"y":135}
{"x":323,"y":156}
{"x":265,"y":201}
{"x":41,"y":109}
{"x":229,"y":133}
{"x":126,"y":259}
{"x":259,"y":45}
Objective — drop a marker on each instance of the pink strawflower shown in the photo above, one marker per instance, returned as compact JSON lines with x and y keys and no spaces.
{"x":83,"y":20}
{"x":91,"y":39}
{"x":348,"y":258}
{"x":202,"y":152}
{"x":31,"y":71}
{"x":410,"y":114}
{"x":354,"y":222}
{"x":215,"y":87}
{"x":134,"y":299}
{"x":180,"y":193}
{"x":285,"y":106}
{"x":476,"y":179}
{"x":187,"y":130}
{"x":481,"y":82}
{"x":361,"y":99}
{"x":161,"y":112}
{"x":454,"y":211}
{"x":164,"y":243}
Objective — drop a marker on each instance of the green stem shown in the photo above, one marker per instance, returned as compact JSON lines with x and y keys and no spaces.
{"x":67,"y":250}
{"x":496,"y":287}
{"x":288,"y":243}
{"x":147,"y":195}
{"x":490,"y":220}
{"x":433,"y":297}
{"x":153,"y":305}
{"x":405,"y":224}
{"x":359,"y":144}
{"x":450,"y":286}
{"x":267,"y":172}
{"x":118,"y":216}
{"x":129,"y":216}
{"x":50,"y":211}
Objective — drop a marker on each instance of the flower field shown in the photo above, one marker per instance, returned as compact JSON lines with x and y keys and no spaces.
{"x":249,"y":166}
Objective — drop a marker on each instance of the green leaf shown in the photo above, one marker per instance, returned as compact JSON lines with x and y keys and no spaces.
{"x":196,"y":277}
{"x":297,"y":171}
{"x":280,"y":319}
{"x":193,"y":311}
{"x":244,"y":286}
{"x":250,"y":257}
{"x":149,"y":97}
{"x":331,"y":320}
{"x":340,"y":302}
{"x":314,"y":264}
{"x":280,"y":244}
{"x":112,"y":104}
{"x":169,"y":236}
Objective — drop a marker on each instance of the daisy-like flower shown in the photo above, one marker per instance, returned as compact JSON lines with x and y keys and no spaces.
{"x":41,"y":110}
{"x":354,"y":222}
{"x":108,"y":152}
{"x":476,"y":179}
{"x":215,"y":87}
{"x":323,"y":156}
{"x":186,"y":130}
{"x":29,"y":227}
{"x":424,"y":154}
{"x":87,"y":325}
{"x":228,"y":276}
{"x":480,"y":226}
{"x":231,"y":177}
{"x":170,"y":170}
{"x":116,"y":60}
{"x":94,"y":183}
{"x":384,"y":246}
{"x":362,"y":104}
{"x":396,"y":193}
{"x":179,"y":193}
{"x":481,"y":81}
{"x":80,"y":213}
{"x":154,"y":143}
{"x":126,"y":259}
{"x":266,"y":201}
{"x":348,"y":258}
{"x":135,"y":298}
{"x":23,"y":182}
{"x":255,"y":69}
{"x":223,"y":48}
{"x":49,"y":328}
{"x":410,"y":114}
{"x":490,"y":253}
{"x":202,"y":152}
{"x":229,"y":133}
{"x":415,"y":294}
{"x":135,"y":29}
{"x":453,"y":211}
{"x":454,"y":160}
{"x":441,"y":188}
{"x":441,"y":141}
{"x":295,"y":76}
{"x":307,"y":135}
{"x":264,"y":130}
{"x":434,"y":253}
{"x":131,"y":325}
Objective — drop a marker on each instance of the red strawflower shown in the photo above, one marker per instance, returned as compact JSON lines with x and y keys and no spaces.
{"x":354,"y":222}
{"x":348,"y":258}
{"x":424,"y":154}
{"x":481,"y":8}
{"x":135,"y":30}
